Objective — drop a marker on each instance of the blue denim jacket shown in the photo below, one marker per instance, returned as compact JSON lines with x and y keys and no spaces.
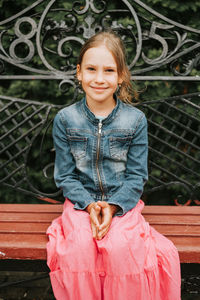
{"x":101,"y":160}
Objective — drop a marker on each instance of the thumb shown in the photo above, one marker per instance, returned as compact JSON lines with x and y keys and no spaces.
{"x":97,"y":206}
{"x":102,"y":204}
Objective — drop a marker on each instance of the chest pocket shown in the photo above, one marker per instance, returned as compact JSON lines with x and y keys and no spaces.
{"x":78,"y":146}
{"x":119,"y":147}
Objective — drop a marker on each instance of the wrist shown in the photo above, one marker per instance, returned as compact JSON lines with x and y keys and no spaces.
{"x":89,"y":207}
{"x":114,"y":209}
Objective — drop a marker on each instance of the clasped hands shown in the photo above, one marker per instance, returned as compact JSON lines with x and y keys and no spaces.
{"x":101,"y":214}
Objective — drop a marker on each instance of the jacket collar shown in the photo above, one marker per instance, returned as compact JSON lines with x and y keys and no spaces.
{"x":92,"y":118}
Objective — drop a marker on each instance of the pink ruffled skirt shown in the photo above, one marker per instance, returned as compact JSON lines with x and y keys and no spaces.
{"x":133,"y":261}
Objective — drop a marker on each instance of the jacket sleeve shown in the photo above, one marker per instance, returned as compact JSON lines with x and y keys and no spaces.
{"x":64,"y":170}
{"x":136,"y":175}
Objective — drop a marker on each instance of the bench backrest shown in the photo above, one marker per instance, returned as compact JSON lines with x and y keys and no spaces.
{"x":38,"y":50}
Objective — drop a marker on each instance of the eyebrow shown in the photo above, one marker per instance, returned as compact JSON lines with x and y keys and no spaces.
{"x":109,"y":66}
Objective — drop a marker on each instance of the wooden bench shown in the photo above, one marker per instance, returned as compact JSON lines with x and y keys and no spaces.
{"x":23,"y":230}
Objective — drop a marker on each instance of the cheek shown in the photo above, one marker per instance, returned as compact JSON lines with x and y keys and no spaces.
{"x":114,"y":81}
{"x":86,"y":82}
{"x":87,"y":78}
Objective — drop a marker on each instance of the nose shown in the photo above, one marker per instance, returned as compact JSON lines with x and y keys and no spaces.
{"x":99,"y":78}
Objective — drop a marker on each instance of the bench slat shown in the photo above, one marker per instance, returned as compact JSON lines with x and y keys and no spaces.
{"x":23,"y":246}
{"x":174,"y":219}
{"x":23,"y":228}
{"x":27,"y":217}
{"x":171,"y":210}
{"x":178,"y":230}
{"x":31,"y":246}
{"x":55,"y":208}
{"x":52,"y":211}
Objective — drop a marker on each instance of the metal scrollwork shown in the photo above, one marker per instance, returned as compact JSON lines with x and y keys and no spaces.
{"x":188,"y":66}
{"x":174,"y":141}
{"x":88,"y":5}
{"x":50,"y":38}
{"x":28,"y":124}
{"x":161,"y":40}
{"x":66,"y":84}
{"x":85,"y":18}
{"x":196,"y":193}
{"x":89,"y":30}
{"x":2,"y":67}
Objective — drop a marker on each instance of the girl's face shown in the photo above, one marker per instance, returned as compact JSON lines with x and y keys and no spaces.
{"x":98,"y":74}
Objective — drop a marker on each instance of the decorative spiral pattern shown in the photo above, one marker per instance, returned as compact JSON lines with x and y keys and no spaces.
{"x":49,"y":38}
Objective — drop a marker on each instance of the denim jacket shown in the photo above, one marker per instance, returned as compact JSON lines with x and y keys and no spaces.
{"x":101,"y":160}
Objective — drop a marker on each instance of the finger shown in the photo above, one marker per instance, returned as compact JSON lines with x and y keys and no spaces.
{"x":102,"y":233}
{"x":97,"y":207}
{"x":99,"y":219}
{"x":94,"y":217}
{"x":102,"y":204}
{"x":106,"y":220}
{"x":94,"y":231}
{"x":95,"y":223}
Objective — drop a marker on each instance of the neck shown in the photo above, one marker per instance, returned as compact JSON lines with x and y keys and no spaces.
{"x":101,"y":109}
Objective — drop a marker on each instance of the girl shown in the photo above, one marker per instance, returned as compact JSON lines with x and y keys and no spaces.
{"x":101,"y":247}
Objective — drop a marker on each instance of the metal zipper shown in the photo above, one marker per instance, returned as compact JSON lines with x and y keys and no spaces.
{"x":97,"y":160}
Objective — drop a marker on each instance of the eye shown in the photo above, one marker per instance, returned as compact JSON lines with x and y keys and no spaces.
{"x":91,"y":69}
{"x":110,"y":70}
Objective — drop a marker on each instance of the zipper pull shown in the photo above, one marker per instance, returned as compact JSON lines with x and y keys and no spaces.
{"x":100,"y":126}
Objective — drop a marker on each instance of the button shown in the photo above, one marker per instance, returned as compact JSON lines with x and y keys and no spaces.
{"x":102,"y":274}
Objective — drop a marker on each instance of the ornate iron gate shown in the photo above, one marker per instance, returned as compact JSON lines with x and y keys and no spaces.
{"x":41,"y":43}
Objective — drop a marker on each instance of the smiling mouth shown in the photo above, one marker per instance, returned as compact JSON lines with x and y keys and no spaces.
{"x":98,"y":88}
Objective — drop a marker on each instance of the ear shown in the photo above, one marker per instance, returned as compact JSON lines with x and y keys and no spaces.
{"x":78,"y":72}
{"x":120,"y":80}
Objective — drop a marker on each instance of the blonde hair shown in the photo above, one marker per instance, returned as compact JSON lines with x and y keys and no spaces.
{"x":115,"y":45}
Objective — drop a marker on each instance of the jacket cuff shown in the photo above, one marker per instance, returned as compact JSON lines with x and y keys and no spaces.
{"x":78,"y":207}
{"x":129,"y":203}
